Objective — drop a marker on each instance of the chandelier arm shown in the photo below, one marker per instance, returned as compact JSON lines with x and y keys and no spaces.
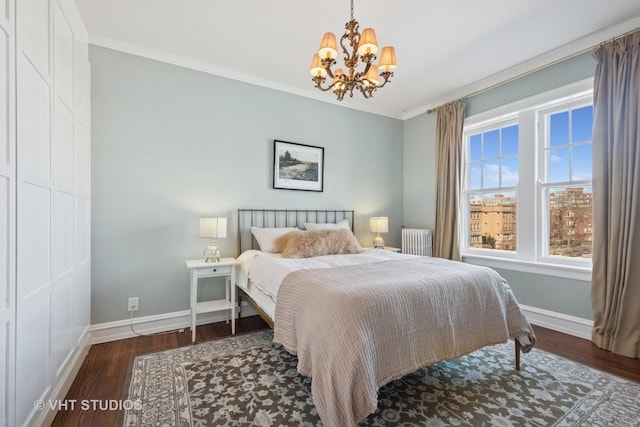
{"x":366,"y":92}
{"x":387,"y":78}
{"x":329,"y":72}
{"x":319,"y":80}
{"x":351,"y":59}
{"x":347,"y":57}
{"x":326,"y":64}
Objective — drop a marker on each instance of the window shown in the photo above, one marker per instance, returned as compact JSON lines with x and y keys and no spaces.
{"x":527,"y":192}
{"x":566,"y":178}
{"x":492,"y":175}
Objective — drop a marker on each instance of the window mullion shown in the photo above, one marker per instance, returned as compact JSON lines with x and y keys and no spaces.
{"x":526,"y":207}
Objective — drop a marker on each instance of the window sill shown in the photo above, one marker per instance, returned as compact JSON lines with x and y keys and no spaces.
{"x":546,"y":269}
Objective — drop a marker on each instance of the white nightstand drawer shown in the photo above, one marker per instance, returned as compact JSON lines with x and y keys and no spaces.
{"x":222,"y":270}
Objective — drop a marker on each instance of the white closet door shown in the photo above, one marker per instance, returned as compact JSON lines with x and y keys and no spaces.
{"x":35,"y":198}
{"x":52,"y":288}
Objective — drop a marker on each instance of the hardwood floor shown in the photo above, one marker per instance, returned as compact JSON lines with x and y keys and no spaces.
{"x":103,"y":373}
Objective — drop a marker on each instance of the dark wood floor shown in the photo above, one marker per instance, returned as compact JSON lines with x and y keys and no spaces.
{"x":102,"y":375}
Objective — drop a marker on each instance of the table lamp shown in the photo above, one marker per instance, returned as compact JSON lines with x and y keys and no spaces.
{"x":378,"y":224}
{"x":213,"y":228}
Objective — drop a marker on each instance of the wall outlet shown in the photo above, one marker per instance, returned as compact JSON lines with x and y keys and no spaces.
{"x":132,"y":304}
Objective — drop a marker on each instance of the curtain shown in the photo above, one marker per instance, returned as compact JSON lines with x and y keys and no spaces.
{"x":449,"y":179}
{"x":615,"y":281}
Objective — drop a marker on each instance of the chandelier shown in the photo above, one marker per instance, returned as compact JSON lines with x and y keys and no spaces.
{"x":359,"y":48}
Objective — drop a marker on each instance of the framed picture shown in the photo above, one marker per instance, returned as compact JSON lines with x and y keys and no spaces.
{"x":298,"y":166}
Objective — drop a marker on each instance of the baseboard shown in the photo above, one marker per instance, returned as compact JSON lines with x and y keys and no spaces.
{"x":565,"y":323}
{"x":47,"y":415}
{"x":121,"y":329}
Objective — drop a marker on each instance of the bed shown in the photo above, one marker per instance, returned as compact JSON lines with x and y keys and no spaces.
{"x":358,"y":321}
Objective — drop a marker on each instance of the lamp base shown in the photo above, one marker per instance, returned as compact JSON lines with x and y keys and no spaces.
{"x":212,"y":253}
{"x":378,"y":242}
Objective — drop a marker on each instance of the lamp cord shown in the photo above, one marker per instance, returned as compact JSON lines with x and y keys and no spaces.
{"x":179,"y":330}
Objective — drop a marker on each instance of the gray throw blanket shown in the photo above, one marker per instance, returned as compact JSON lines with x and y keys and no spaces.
{"x":356,"y":328}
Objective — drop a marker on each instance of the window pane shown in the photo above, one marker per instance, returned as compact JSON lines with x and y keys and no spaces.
{"x":491,"y":174}
{"x":570,"y":221}
{"x":510,"y":172}
{"x":510,"y":140}
{"x":475,"y":147}
{"x":475,"y":175}
{"x":558,"y":163}
{"x":581,"y":124}
{"x":581,"y":162}
{"x":491,"y":148}
{"x":559,"y":129}
{"x":492,"y":221}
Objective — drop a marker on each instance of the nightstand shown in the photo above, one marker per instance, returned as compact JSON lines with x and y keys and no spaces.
{"x":199,"y":269}
{"x":386,"y":248}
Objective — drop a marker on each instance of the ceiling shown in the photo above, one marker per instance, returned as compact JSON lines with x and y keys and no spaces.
{"x":446,"y":49}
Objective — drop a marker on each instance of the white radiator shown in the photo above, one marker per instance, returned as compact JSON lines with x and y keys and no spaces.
{"x":416,"y":241}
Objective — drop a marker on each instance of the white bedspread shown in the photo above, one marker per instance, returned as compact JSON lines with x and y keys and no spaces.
{"x":267,"y":275}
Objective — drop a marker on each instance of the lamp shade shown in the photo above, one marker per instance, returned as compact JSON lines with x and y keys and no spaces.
{"x":388,"y":59}
{"x":372,"y":76}
{"x":213,"y":227}
{"x":328,"y":46}
{"x":368,"y":43}
{"x":316,"y":69}
{"x":379,"y":224}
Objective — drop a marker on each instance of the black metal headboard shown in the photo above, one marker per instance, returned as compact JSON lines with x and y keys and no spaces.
{"x":279,"y":218}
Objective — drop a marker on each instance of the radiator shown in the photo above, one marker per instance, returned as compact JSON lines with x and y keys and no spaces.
{"x":416,"y":241}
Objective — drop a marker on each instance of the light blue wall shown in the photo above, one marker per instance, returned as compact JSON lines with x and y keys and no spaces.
{"x":556,"y":294}
{"x":419,"y":171}
{"x":171,"y":144}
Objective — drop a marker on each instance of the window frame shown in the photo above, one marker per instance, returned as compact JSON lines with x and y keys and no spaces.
{"x":545,"y":184}
{"x":497,"y":123}
{"x":530,"y":227}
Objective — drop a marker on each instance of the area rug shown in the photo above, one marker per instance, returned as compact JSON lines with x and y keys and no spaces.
{"x":248,"y":380}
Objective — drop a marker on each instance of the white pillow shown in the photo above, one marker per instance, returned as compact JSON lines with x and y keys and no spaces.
{"x":327,"y":226}
{"x":266,"y":237}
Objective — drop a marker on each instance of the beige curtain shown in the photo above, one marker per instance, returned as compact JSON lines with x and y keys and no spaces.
{"x":449,"y":179}
{"x":615,"y":282}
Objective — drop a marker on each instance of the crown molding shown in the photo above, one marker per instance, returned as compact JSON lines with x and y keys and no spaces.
{"x":203,"y":67}
{"x":552,"y":57}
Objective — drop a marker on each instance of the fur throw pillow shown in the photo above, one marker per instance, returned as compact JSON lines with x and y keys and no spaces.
{"x":305,"y":244}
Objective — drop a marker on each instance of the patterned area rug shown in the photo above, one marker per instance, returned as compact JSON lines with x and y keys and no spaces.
{"x":247,"y":380}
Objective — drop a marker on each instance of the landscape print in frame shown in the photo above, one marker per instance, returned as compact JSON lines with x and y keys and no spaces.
{"x":298,"y":166}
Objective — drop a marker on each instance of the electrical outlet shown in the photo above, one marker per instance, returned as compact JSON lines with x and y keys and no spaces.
{"x":133,"y":304}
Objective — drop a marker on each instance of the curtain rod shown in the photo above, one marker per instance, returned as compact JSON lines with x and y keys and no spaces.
{"x":535,"y":70}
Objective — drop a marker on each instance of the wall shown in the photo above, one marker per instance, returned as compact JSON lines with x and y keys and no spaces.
{"x":170,"y":145}
{"x":560,"y":295}
{"x":419,"y":171}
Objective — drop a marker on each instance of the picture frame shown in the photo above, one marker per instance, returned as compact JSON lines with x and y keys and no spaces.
{"x":298,"y":166}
